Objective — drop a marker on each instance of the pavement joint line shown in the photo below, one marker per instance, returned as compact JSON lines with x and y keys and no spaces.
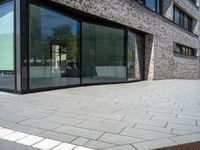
{"x":121,"y":130}
{"x":25,"y":137}
{"x":134,"y":146}
{"x":171,"y":131}
{"x":173,"y":141}
{"x":196,"y":123}
{"x":101,"y":136}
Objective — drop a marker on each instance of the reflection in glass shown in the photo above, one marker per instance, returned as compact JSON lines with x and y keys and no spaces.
{"x":151,"y":4}
{"x":54,"y":48}
{"x":6,"y":45}
{"x":135,"y":56}
{"x":103,"y":55}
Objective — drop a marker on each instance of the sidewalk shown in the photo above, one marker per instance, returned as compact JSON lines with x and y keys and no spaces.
{"x":142,"y":115}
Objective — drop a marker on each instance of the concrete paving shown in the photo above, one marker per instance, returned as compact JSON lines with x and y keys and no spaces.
{"x":142,"y":115}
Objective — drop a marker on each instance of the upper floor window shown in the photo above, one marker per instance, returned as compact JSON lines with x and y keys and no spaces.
{"x":155,"y":5}
{"x":194,"y":1}
{"x":182,"y":19}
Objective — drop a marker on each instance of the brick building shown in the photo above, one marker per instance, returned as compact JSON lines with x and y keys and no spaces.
{"x":49,"y":44}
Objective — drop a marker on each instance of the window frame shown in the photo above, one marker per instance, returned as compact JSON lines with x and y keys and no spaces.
{"x":185,"y":50}
{"x":158,"y":5}
{"x":83,"y":17}
{"x":181,"y":22}
{"x":14,"y":89}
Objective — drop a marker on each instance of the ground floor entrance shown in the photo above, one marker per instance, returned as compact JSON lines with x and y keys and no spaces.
{"x":69,"y":50}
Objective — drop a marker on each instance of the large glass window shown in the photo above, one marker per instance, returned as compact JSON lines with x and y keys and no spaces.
{"x":182,"y":19}
{"x":135,"y":56}
{"x":151,"y":4}
{"x":155,"y":5}
{"x":54,"y":48}
{"x":7,"y":44}
{"x":103,"y":54}
{"x":184,"y":50}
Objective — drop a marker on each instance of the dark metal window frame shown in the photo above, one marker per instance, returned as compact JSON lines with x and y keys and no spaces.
{"x":192,"y":50}
{"x":22,"y":42}
{"x":158,"y":8}
{"x":182,"y":22}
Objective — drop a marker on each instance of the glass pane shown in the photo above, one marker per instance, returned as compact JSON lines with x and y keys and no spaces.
{"x":178,"y":49}
{"x":103,"y":56}
{"x":54,"y":48}
{"x":131,"y":55}
{"x":177,"y":16}
{"x":151,"y":4}
{"x":186,"y":22}
{"x":7,"y":45}
{"x":135,"y":56}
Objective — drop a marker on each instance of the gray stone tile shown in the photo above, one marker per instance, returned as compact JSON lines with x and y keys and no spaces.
{"x":183,"y":127}
{"x":121,"y":123}
{"x":146,"y":122}
{"x":7,"y":124}
{"x":32,"y":115}
{"x":58,"y":136}
{"x":153,"y":128}
{"x":87,"y":133}
{"x":40,"y":124}
{"x":7,"y":145}
{"x":27,"y":129}
{"x":118,"y":139}
{"x":98,"y":144}
{"x":106,"y":116}
{"x":12,"y":118}
{"x":80,"y":141}
{"x":144,"y":134}
{"x":180,"y":132}
{"x":89,"y":118}
{"x":191,"y":122}
{"x":124,"y":147}
{"x":105,"y":127}
{"x":154,"y":144}
{"x":187,"y":138}
{"x":62,"y":120}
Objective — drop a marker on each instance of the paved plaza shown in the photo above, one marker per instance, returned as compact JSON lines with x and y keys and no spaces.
{"x":141,"y":115}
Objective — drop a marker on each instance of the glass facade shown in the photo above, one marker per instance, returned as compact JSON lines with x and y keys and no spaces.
{"x":53,"y":47}
{"x":7,"y":78}
{"x":64,"y":51}
{"x":135,"y":56}
{"x":57,"y":48}
{"x":103,"y":54}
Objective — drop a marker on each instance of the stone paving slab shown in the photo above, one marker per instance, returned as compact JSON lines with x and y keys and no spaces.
{"x":7,"y":145}
{"x":142,"y":115}
{"x":155,"y":144}
{"x":82,"y":132}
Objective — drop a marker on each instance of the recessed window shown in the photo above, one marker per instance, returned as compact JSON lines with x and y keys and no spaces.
{"x":194,"y":1}
{"x":184,"y":50}
{"x":155,"y":5}
{"x":151,"y":4}
{"x":182,"y":19}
